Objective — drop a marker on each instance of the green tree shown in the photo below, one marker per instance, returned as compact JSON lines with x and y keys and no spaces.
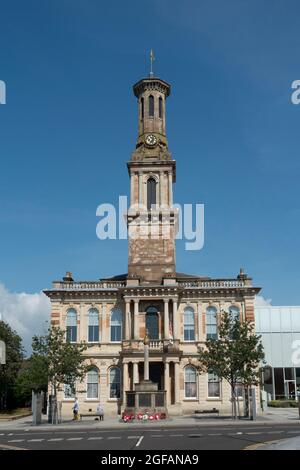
{"x":234,"y":356}
{"x":9,"y":371}
{"x":32,"y":377}
{"x":56,"y":362}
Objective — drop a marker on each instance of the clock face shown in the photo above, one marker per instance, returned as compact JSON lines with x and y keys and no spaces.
{"x":151,"y":139}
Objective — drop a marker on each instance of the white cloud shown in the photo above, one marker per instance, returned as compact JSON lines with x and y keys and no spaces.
{"x":260,"y":301}
{"x":25,"y":313}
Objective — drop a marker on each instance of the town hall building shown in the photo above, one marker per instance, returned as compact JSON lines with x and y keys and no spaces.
{"x":176,"y":311}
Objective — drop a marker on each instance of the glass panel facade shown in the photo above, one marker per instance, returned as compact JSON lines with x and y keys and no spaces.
{"x":92,"y":383}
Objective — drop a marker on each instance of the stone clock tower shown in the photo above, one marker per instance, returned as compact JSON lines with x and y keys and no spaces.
{"x":151,"y":217}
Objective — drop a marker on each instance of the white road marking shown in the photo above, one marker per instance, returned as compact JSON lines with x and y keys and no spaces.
{"x":74,"y":439}
{"x":133,"y":437}
{"x":156,"y":435}
{"x":176,"y":435}
{"x":253,"y":433}
{"x":274,"y":432}
{"x":95,"y":438}
{"x":54,"y":439}
{"x":35,"y":440}
{"x":114,"y":437}
{"x":139,"y":441}
{"x":17,"y":440}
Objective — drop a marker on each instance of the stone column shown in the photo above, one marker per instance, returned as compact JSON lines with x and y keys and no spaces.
{"x":127,"y":313}
{"x":176,"y":326}
{"x":170,"y":177}
{"x":146,"y":358}
{"x":136,"y":319}
{"x":125,"y":381}
{"x":141,"y":188}
{"x":135,"y":373}
{"x":167,"y":382}
{"x":166,"y":319}
{"x":176,"y":382}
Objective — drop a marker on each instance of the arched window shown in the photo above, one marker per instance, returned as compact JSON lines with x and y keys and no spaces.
{"x":190,"y":382}
{"x":211,"y":323}
{"x":114,"y":382}
{"x":234,"y":313}
{"x":189,"y":324}
{"x":142,"y":108}
{"x":93,"y":336}
{"x":160,"y":105}
{"x":151,"y":193}
{"x":92,"y":383}
{"x":71,"y":325}
{"x":151,"y":105}
{"x":152,"y":323}
{"x":116,"y":325}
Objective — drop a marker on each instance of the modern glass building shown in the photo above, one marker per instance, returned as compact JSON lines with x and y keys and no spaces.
{"x":279,"y":328}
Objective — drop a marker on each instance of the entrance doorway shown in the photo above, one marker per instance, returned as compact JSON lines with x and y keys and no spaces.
{"x":290,"y":389}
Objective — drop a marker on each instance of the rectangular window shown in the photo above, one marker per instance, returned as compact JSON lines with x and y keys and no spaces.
{"x":213,"y":386}
{"x":72,"y":334}
{"x":93,"y":334}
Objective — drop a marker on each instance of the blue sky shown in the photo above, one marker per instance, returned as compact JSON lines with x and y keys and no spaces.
{"x":70,"y":125}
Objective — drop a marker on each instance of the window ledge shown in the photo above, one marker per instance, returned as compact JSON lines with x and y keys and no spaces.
{"x":191,"y":399}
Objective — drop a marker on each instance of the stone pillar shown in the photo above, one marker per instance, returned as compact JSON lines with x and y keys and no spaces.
{"x":104,"y":333}
{"x":166,"y":319}
{"x":141,"y":188}
{"x":125,"y":381}
{"x":199,"y":321}
{"x":135,"y":373}
{"x":136,"y":319}
{"x":167,"y":382}
{"x":132,"y":183}
{"x":176,"y":326}
{"x":170,"y":177}
{"x":146,"y":360}
{"x":176,"y":381}
{"x":127,"y":314}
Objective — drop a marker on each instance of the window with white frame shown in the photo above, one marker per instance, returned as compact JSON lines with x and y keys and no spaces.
{"x":211,"y":323}
{"x":93,"y":327}
{"x":116,"y":325}
{"x":71,"y":325}
{"x":189,"y":324}
{"x":92,"y":383}
{"x":114,"y":382}
{"x":234,"y":313}
{"x":190,"y":382}
{"x":214,"y":389}
{"x":69,"y":391}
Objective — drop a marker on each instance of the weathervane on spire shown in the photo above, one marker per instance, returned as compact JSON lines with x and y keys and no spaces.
{"x":152,"y":58}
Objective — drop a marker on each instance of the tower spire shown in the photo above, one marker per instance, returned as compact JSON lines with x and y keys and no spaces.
{"x":152,"y":58}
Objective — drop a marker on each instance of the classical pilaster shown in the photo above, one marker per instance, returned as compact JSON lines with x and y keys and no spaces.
{"x":170,"y":177}
{"x":176,"y":381}
{"x":176,"y":326}
{"x":127,"y":314}
{"x":167,"y":382}
{"x":125,"y":380}
{"x":199,"y":332}
{"x":141,"y":188}
{"x":166,"y":318}
{"x":104,"y":334}
{"x":136,"y":325}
